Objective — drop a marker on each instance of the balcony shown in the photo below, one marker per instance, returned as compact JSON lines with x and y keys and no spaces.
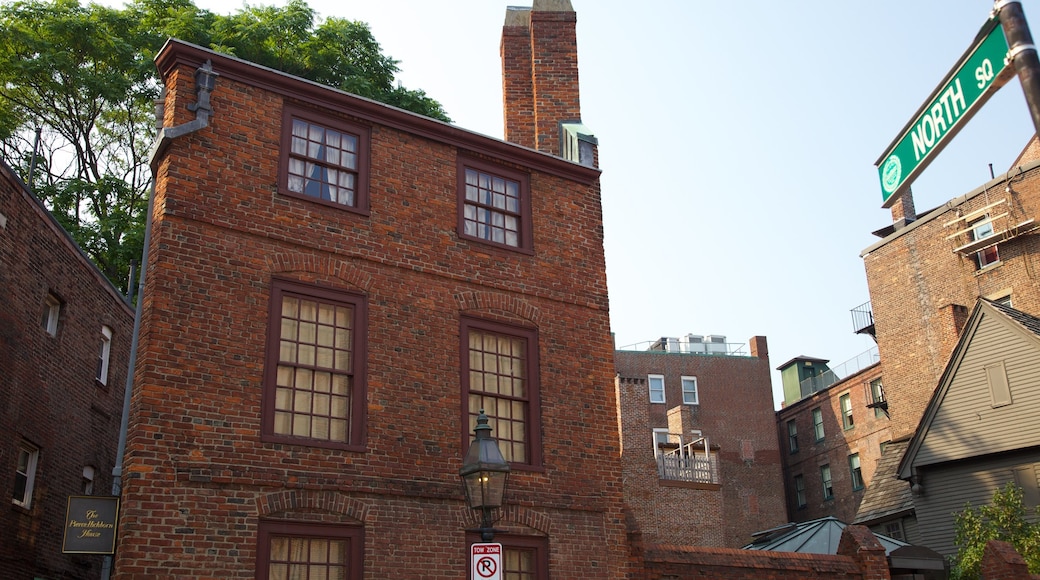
{"x":841,"y":372}
{"x":863,"y":319}
{"x":691,"y":462}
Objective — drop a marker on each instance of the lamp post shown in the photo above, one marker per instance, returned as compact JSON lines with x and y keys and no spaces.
{"x":484,"y":472}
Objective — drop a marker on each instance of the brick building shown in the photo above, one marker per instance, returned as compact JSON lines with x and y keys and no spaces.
{"x":64,"y":341}
{"x":832,"y":440}
{"x":700,"y":455}
{"x":335,"y":288}
{"x":928,"y":270}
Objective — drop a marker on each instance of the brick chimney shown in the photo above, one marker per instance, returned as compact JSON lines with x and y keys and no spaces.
{"x":540,"y":74}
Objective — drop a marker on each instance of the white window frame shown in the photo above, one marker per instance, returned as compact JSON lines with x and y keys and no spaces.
{"x":686,"y":380}
{"x":983,"y":230}
{"x":650,"y":383}
{"x":51,"y":313}
{"x":32,"y":455}
{"x":657,"y":440}
{"x":88,"y":480}
{"x":104,"y":355}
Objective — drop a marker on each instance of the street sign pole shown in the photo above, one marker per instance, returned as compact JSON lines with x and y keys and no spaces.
{"x":1022,"y":53}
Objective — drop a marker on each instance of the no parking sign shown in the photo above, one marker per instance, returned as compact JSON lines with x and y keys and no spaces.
{"x":486,"y":561}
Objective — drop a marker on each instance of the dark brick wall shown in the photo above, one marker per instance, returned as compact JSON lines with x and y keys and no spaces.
{"x":201,"y":477}
{"x":48,"y":393}
{"x":735,"y":412}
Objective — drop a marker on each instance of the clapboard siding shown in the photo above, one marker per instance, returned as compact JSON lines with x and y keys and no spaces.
{"x":948,"y":489}
{"x":966,"y":424}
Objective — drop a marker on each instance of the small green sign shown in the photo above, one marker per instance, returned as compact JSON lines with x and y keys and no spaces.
{"x":90,"y":525}
{"x":972,"y":81}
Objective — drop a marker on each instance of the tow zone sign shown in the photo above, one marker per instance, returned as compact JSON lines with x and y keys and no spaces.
{"x":486,"y":561}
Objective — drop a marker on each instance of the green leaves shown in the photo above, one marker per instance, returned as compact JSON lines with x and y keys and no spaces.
{"x":85,"y":74}
{"x":1005,"y":520}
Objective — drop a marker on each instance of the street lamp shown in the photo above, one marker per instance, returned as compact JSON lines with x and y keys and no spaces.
{"x":484,"y":472}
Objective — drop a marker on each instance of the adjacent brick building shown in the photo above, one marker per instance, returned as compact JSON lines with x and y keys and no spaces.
{"x":700,"y":455}
{"x":335,"y":288}
{"x":832,"y":440}
{"x":65,"y":336}
{"x":925,"y":275}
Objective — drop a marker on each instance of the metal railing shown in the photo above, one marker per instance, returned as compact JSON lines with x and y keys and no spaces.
{"x":682,"y":347}
{"x":863,"y":318}
{"x":842,"y":371}
{"x":691,"y":462}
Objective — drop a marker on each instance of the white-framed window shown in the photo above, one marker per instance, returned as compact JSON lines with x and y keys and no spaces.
{"x":984,"y":229}
{"x":103,"y":355}
{"x":825,"y":477}
{"x":51,"y":311}
{"x":656,"y":383}
{"x":689,"y":391}
{"x":661,"y":440}
{"x":25,"y":475}
{"x":88,"y":480}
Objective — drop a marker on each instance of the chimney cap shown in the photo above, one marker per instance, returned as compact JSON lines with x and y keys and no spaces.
{"x":552,"y":6}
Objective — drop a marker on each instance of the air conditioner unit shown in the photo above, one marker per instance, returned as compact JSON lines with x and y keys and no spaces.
{"x":692,"y":343}
{"x":716,"y":344}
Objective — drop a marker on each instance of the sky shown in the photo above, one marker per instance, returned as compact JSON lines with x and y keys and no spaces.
{"x":737,"y":143}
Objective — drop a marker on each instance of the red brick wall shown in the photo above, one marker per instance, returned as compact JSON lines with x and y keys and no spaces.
{"x":539,"y":62}
{"x":735,"y":412}
{"x":48,"y":393}
{"x":859,"y":556}
{"x":865,"y":438}
{"x":917,"y":285}
{"x":201,"y":477}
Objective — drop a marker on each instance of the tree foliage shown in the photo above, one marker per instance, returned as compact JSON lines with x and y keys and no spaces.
{"x":84,"y":76}
{"x":1005,"y":520}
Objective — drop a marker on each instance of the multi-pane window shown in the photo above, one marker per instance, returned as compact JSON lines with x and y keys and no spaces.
{"x":846,"y":411}
{"x":314,"y":387}
{"x":817,"y":421}
{"x":792,"y":436}
{"x":25,"y":475}
{"x":799,"y":491}
{"x":296,"y":551}
{"x":894,"y":530}
{"x":825,"y":478}
{"x":656,"y":383}
{"x":104,"y":352}
{"x":325,"y":160}
{"x":689,"y":390}
{"x":51,"y":312}
{"x":877,"y":397}
{"x":500,"y":376}
{"x":493,"y":205}
{"x":856,"y":472}
{"x":983,"y":228}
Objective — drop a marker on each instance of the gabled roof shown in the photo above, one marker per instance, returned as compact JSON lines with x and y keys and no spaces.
{"x":1023,"y":325}
{"x":886,"y":496}
{"x":813,"y":537}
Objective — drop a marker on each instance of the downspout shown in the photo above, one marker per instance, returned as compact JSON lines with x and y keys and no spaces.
{"x":205,"y":80}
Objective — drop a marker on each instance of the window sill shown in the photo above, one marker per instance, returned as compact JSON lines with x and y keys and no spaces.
{"x":989,"y":267}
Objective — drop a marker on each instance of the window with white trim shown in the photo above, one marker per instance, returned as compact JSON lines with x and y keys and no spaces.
{"x":25,"y":475}
{"x":104,"y":353}
{"x":88,"y":480}
{"x":689,"y":391}
{"x":984,"y":229}
{"x":51,"y":313}
{"x":656,"y":383}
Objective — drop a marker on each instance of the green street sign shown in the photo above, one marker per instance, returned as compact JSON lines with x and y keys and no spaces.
{"x":977,"y":75}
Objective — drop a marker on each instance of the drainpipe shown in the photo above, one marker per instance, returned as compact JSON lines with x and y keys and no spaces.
{"x":205,"y":80}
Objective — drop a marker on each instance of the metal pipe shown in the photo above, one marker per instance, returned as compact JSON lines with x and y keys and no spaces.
{"x":1022,"y":53}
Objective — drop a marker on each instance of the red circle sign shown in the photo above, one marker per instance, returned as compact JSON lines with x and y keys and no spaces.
{"x":486,"y":567}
